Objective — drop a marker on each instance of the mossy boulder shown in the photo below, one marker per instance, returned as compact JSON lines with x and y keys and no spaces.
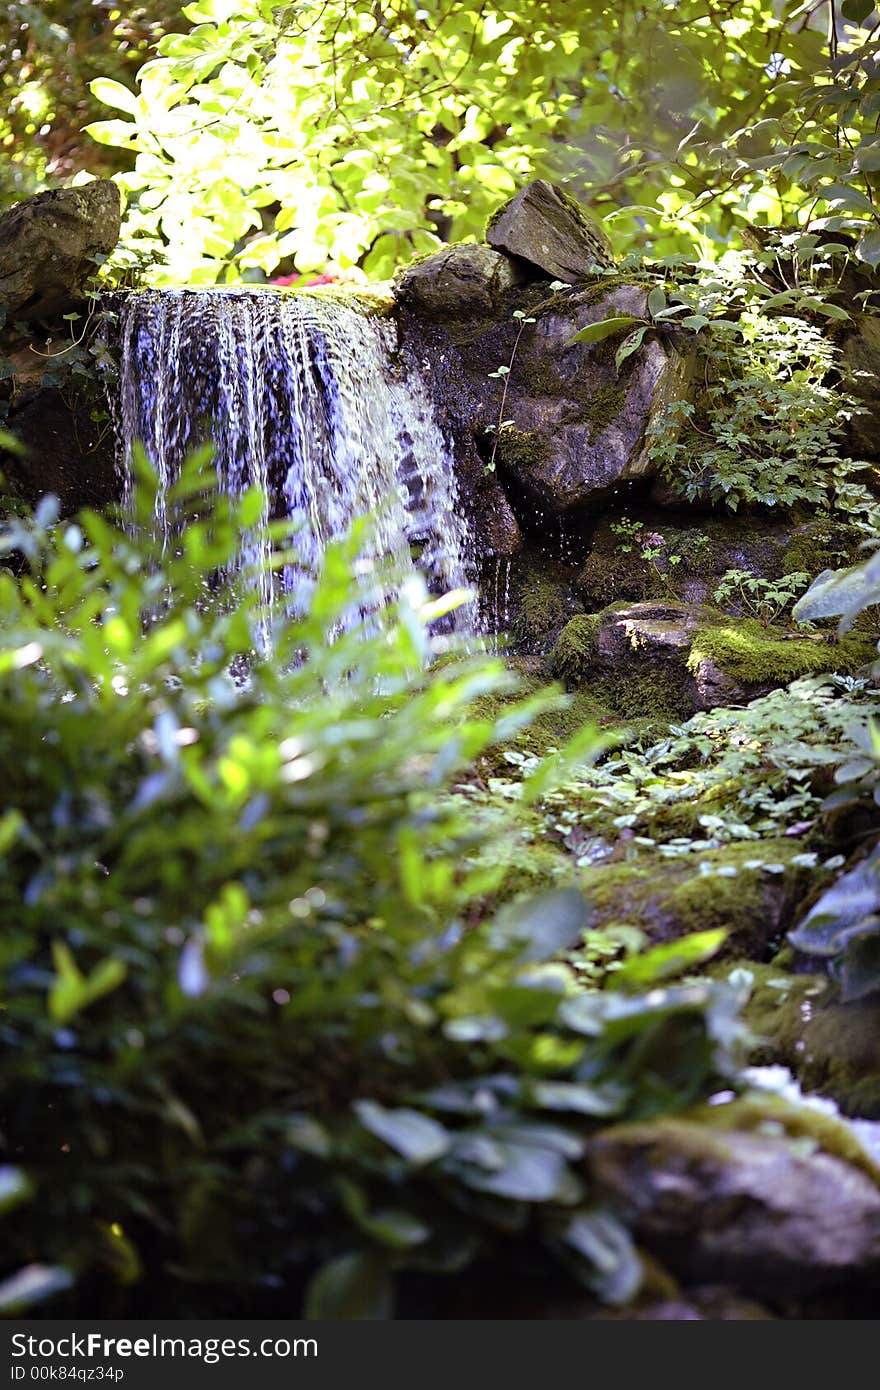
{"x":702,"y":657}
{"x":670,"y":898}
{"x":48,"y":246}
{"x":732,"y":661}
{"x":463,"y":281}
{"x":575,"y":654}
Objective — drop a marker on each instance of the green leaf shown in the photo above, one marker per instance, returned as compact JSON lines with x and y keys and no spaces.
{"x":670,"y":959}
{"x":612,"y":1267}
{"x":113,"y":132}
{"x":526,"y":1174}
{"x":857,"y":11}
{"x":541,"y":927}
{"x":352,"y":1288}
{"x":849,"y":909}
{"x":868,"y":249}
{"x":70,"y":991}
{"x":577,"y":1097}
{"x":629,"y":346}
{"x":595,"y":332}
{"x":113,"y":94}
{"x":656,"y":301}
{"x":417,"y":1137}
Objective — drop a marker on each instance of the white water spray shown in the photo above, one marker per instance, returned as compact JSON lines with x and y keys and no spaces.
{"x":300,"y":395}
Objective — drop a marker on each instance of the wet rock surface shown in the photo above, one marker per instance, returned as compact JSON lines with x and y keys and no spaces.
{"x":48,"y":245}
{"x":861,"y":357}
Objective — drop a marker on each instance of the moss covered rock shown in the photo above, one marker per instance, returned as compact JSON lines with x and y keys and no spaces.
{"x":669,"y":898}
{"x":734,"y":660}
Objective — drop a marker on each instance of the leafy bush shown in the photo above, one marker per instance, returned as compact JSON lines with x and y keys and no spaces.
{"x":263,"y":1047}
{"x":764,"y":599}
{"x":768,"y":427}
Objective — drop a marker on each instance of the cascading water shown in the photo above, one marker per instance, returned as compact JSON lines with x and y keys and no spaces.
{"x":299,"y":395}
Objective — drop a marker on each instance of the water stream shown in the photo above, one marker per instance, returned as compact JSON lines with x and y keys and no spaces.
{"x":304,"y":396}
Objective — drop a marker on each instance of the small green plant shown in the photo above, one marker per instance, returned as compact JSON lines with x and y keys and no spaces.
{"x":653,"y":548}
{"x":503,"y":374}
{"x":767,"y":429}
{"x":764,"y":599}
{"x":660,"y":314}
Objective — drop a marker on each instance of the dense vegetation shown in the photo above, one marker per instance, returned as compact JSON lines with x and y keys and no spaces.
{"x":323,"y":960}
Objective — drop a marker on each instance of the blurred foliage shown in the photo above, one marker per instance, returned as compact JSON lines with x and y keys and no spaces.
{"x":49,"y":52}
{"x":844,"y":925}
{"x":265,"y":1046}
{"x":360,"y":134}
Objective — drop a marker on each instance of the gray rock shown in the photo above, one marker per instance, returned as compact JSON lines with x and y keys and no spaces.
{"x":460,"y":282}
{"x":648,"y":631}
{"x":765,"y":1212}
{"x":46,"y":244}
{"x":590,"y":420}
{"x":548,"y":228}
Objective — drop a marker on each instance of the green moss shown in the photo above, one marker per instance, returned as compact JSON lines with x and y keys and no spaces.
{"x":762,"y":1111}
{"x":574,"y":655}
{"x":752,"y":655}
{"x":819,"y":546}
{"x":544,"y":608}
{"x":656,"y":694}
{"x":538,"y":868}
{"x":609,"y":575}
{"x":603,"y":407}
{"x":712,"y":902}
{"x":520,"y":450}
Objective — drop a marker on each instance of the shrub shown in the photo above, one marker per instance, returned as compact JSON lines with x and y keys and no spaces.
{"x":262,"y":1049}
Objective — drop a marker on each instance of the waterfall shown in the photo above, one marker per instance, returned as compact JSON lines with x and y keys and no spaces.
{"x":302,"y":395}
